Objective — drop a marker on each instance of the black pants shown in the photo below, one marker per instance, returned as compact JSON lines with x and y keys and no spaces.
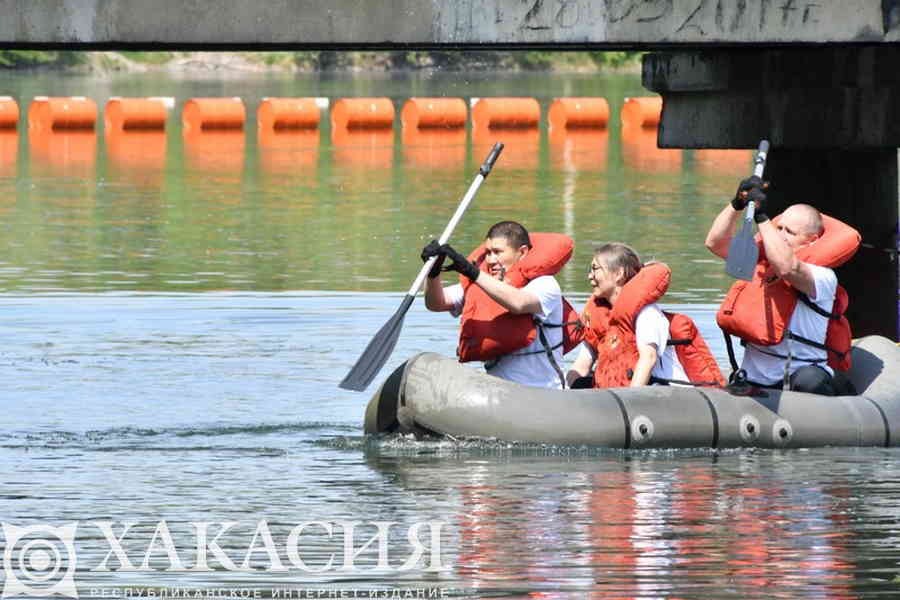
{"x":814,"y":379}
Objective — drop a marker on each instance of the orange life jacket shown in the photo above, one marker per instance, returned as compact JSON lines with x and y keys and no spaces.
{"x":758,"y":311}
{"x":611,"y":332}
{"x":489,"y":331}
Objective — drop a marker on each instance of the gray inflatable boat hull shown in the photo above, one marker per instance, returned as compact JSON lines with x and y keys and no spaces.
{"x":432,"y":394}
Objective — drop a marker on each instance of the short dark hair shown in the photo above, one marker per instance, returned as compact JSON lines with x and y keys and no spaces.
{"x":514,"y":233}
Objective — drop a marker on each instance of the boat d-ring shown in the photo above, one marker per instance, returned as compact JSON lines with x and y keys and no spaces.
{"x":782,"y":433}
{"x":749,"y":429}
{"x":641,"y":430}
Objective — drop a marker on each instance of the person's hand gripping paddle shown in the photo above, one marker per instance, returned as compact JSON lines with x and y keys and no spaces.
{"x":381,"y":346}
{"x":743,"y":252}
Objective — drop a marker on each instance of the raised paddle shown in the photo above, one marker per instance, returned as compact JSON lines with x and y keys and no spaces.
{"x":743,"y":252}
{"x":381,"y":346}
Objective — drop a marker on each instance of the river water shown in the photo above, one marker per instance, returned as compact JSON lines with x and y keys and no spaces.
{"x":176,"y":315}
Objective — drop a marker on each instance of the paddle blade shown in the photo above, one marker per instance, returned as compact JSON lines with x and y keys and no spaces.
{"x":378,"y":351}
{"x":742,"y":254}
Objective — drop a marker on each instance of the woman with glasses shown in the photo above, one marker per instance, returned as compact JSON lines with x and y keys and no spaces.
{"x":628,"y":337}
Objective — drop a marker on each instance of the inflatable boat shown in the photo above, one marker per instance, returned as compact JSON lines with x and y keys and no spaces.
{"x":434,"y":395}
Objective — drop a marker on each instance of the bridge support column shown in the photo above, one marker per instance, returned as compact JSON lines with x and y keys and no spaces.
{"x":833,"y":119}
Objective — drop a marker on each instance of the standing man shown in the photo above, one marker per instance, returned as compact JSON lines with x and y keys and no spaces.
{"x":787,"y":317}
{"x":510,"y":302}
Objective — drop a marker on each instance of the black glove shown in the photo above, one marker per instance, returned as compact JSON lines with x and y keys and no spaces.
{"x":759,"y":200}
{"x":430,"y":250}
{"x":739,"y":202}
{"x":460,"y":263}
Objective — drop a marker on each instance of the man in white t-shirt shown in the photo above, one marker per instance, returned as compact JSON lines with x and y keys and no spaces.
{"x":798,"y":226}
{"x":506,"y":243}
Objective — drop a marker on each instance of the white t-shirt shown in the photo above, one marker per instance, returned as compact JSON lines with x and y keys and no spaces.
{"x":651,"y":328}
{"x":805,"y":322}
{"x":529,"y":365}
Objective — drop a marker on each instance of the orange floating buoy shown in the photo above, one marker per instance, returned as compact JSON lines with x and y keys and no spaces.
{"x":287,"y":113}
{"x":213,"y":114}
{"x":579,"y":149}
{"x":506,"y":113}
{"x":135,"y":113}
{"x":642,"y":112}
{"x":70,"y":113}
{"x":578,"y":113}
{"x":434,"y":147}
{"x":429,"y":113}
{"x":362,"y":113}
{"x":9,"y":113}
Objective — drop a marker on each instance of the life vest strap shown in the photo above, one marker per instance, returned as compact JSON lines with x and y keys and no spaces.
{"x":539,"y":325}
{"x":800,"y":339}
{"x":791,"y":335}
{"x":816,"y":308}
{"x":548,"y":350}
{"x":731,"y":358}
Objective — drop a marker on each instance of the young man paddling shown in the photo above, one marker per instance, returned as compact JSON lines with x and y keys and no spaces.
{"x":508,"y":299}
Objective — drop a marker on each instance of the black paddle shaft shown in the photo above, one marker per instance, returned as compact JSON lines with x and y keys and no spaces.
{"x":743,"y":252}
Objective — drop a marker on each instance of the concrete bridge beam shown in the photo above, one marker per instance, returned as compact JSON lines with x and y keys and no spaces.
{"x":833,"y":119}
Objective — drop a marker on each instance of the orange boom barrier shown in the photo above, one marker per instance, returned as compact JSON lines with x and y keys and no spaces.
{"x":522,"y":113}
{"x":76,"y":112}
{"x":578,"y":113}
{"x":135,"y":113}
{"x":642,"y":112}
{"x":362,"y":113}
{"x":213,"y":113}
{"x":431,"y":113}
{"x":287,"y":113}
{"x":9,"y":113}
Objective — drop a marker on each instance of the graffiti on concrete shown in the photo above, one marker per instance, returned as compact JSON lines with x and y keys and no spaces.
{"x":739,"y":20}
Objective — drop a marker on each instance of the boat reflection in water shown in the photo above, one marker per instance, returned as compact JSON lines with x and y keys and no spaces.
{"x":616,"y":525}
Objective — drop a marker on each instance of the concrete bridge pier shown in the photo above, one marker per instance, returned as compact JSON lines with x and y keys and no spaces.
{"x":832,"y":116}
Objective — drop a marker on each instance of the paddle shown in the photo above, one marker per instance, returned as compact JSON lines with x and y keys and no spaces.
{"x":743,"y":252}
{"x":381,"y":346}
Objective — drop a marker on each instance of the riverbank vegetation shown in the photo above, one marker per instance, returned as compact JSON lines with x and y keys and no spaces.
{"x":320,"y":60}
